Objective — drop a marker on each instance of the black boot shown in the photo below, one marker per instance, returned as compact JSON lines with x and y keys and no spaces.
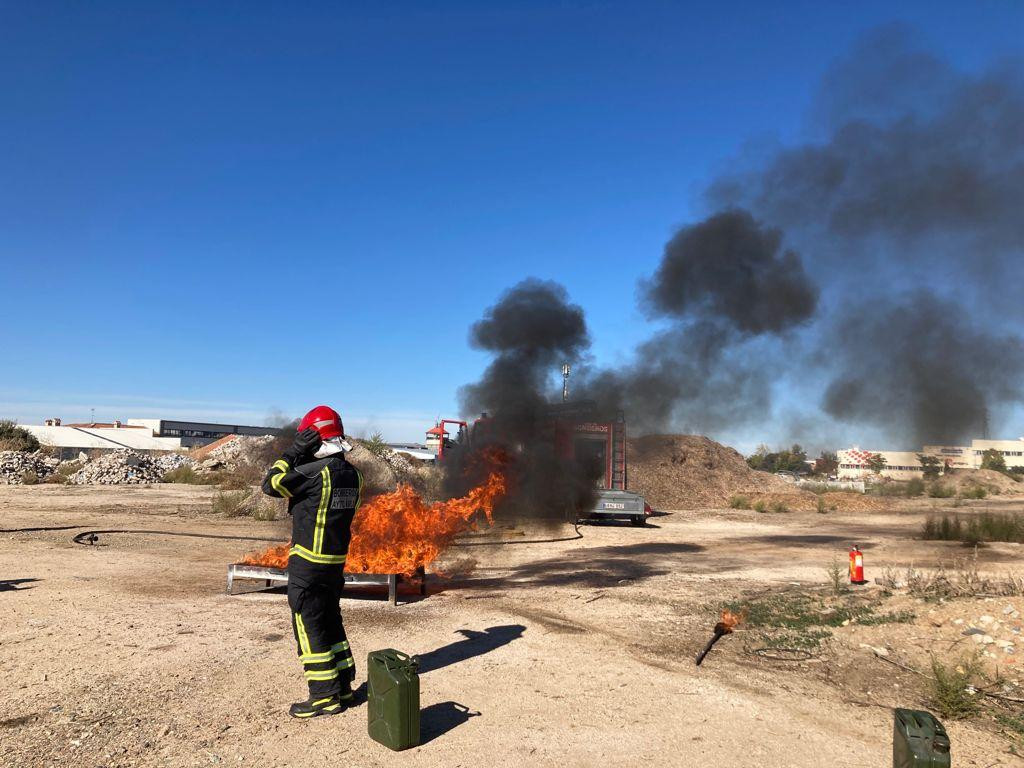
{"x":315,"y":707}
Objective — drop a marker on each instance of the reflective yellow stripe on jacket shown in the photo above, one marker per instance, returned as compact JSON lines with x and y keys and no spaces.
{"x":275,"y":481}
{"x":321,"y":512}
{"x":300,"y":551}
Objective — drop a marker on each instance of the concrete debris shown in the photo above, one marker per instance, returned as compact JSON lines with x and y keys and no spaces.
{"x":15,"y":464}
{"x":126,"y":467}
{"x":239,"y":449}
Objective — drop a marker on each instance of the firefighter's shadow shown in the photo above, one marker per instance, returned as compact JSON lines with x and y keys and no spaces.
{"x":437,"y":719}
{"x":473,"y":643}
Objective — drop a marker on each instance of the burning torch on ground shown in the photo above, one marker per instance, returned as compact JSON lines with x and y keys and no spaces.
{"x":723,"y":627}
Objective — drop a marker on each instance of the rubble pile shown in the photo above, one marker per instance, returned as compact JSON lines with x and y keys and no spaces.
{"x":171,"y":461}
{"x":14,"y":465}
{"x":230,"y":453}
{"x":123,"y":467}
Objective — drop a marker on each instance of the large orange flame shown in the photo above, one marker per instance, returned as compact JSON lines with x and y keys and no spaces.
{"x":399,"y":532}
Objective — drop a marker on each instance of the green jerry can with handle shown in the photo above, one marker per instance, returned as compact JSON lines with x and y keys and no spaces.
{"x":393,"y":698}
{"x":918,"y":740}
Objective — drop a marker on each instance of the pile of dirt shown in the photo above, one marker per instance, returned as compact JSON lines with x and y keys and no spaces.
{"x":995,"y":483}
{"x":693,"y":471}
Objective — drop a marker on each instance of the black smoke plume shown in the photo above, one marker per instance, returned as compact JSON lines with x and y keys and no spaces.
{"x":531,"y":330}
{"x":915,"y":187}
{"x":721,"y":285}
{"x":922,"y":369}
{"x":822,"y":262}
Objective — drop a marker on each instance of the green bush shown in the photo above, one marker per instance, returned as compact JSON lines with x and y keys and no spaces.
{"x":974,"y":492}
{"x":375,"y":444}
{"x":975,"y":529}
{"x":229,"y":503}
{"x":243,"y":504}
{"x":760,"y":505}
{"x":993,"y":459}
{"x":185,"y":474}
{"x":952,"y":693}
{"x":909,"y":488}
{"x":941,"y":491}
{"x":29,"y":478}
{"x":914,"y":487}
{"x":739,"y":502}
{"x":779,"y":507}
{"x":822,"y":508}
{"x":15,"y":438}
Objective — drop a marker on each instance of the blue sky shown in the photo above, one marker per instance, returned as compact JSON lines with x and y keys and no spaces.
{"x":225,"y":210}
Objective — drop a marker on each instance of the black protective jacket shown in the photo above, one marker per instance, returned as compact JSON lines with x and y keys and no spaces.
{"x":323,"y":496}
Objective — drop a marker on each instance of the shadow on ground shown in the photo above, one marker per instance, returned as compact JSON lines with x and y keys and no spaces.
{"x":598,"y":567}
{"x":473,"y":643}
{"x":437,"y":719}
{"x":9,"y":585}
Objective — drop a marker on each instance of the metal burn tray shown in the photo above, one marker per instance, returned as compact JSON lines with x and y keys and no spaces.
{"x":271,"y":576}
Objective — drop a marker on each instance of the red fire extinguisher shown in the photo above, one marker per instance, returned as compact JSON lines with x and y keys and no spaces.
{"x":857,"y":566}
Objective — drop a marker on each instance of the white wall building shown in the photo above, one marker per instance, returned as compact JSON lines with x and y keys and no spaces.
{"x":905,"y":465}
{"x":1012,"y":450}
{"x":135,"y":434}
{"x":899,"y":465}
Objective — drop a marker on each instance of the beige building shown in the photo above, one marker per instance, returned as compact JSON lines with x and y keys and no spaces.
{"x":899,"y":465}
{"x":905,"y":465}
{"x":1012,"y":450}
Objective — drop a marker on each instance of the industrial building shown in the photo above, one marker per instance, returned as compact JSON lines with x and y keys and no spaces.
{"x":68,"y":440}
{"x":905,"y":465}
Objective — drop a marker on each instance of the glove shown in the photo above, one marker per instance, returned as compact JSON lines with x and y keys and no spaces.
{"x":306,"y":443}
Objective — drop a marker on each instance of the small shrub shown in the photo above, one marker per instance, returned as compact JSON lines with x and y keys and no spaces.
{"x":229,"y":503}
{"x":185,"y":474}
{"x":914,"y":487}
{"x":375,"y":444}
{"x":760,"y":505}
{"x":264,"y":510}
{"x":780,"y":507}
{"x":952,"y":693}
{"x":837,"y":577}
{"x":940,"y":491}
{"x":739,"y":502}
{"x":29,"y":478}
{"x":15,"y":438}
{"x":822,"y":507}
{"x":233,"y":481}
{"x":974,"y":492}
{"x":975,"y":529}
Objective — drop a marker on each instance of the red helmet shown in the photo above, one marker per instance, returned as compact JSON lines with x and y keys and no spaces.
{"x":324,"y":420}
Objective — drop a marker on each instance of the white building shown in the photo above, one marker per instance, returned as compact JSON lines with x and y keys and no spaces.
{"x":136,"y":434}
{"x":905,"y":465}
{"x":1012,"y":450}
{"x":899,"y":465}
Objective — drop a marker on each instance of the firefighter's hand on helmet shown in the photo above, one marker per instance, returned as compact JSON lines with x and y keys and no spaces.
{"x":306,"y":443}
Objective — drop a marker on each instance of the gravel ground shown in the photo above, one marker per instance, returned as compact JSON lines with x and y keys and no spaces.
{"x":567,"y":652}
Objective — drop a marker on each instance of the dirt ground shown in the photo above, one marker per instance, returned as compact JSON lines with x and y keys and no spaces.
{"x":553,"y":650}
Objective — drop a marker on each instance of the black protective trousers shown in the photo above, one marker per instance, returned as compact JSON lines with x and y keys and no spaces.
{"x":326,"y":658}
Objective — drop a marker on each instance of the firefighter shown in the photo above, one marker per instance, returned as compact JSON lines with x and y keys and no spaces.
{"x":323,"y":491}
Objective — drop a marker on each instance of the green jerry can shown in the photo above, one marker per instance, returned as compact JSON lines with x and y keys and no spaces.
{"x":918,"y":740}
{"x":393,"y":699}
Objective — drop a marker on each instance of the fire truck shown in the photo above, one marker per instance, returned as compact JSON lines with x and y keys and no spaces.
{"x":578,"y":433}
